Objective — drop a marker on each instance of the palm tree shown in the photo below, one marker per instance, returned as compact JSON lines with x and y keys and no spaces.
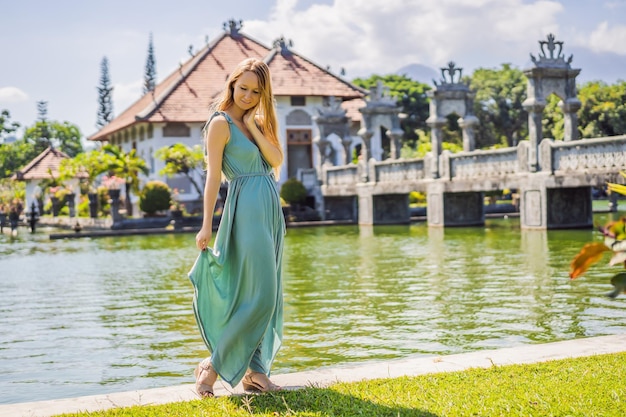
{"x":127,"y":165}
{"x":179,"y":159}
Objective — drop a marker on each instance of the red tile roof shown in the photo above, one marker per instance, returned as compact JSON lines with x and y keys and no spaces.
{"x":294,"y":75}
{"x":185,"y":95}
{"x":40,"y":168}
{"x":352,"y":109}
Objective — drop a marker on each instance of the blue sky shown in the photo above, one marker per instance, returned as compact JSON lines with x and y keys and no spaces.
{"x":51,"y":50}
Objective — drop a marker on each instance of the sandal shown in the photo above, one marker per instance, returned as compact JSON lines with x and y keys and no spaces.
{"x":205,"y":378}
{"x":258,"y":382}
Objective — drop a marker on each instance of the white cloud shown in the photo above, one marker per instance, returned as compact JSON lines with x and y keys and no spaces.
{"x":380,"y":36}
{"x":608,"y":39}
{"x":12,"y":95}
{"x":126,"y":94}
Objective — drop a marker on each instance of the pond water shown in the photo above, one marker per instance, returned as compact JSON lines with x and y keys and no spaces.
{"x":92,"y":316}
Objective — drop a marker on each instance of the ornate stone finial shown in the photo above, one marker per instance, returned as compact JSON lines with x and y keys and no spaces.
{"x":551,"y":53}
{"x":283,"y":44}
{"x":379,"y":95}
{"x":332,"y":108}
{"x":451,"y":70}
{"x":551,"y":45}
{"x":233,"y":27}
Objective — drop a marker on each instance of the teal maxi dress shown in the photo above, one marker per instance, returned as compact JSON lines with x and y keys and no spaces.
{"x":238,"y":301}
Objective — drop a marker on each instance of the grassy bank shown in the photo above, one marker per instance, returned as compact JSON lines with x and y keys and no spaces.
{"x":590,"y":386}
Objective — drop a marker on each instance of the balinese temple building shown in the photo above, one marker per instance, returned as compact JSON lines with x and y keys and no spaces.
{"x":43,"y":167}
{"x":177,"y":109}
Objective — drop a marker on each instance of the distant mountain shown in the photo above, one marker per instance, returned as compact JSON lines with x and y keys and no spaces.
{"x":418,"y":72}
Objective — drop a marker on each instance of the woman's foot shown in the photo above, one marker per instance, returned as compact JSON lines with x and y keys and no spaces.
{"x":259,"y":382}
{"x":205,"y":378}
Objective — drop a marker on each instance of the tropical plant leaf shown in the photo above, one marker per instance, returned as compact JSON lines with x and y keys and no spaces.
{"x":588,"y":255}
{"x":618,"y":188}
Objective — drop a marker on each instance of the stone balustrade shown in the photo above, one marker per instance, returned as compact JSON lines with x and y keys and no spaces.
{"x":584,"y":155}
{"x":399,"y":170}
{"x":340,"y":175}
{"x":555,"y":193}
{"x":482,"y":164}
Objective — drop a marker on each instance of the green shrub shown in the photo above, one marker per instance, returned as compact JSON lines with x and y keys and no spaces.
{"x":155,"y":196}
{"x":293,"y":191}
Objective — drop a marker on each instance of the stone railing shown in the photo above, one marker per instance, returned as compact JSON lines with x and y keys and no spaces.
{"x":398,"y":170}
{"x":340,"y":175}
{"x":484,"y":163}
{"x":599,"y":154}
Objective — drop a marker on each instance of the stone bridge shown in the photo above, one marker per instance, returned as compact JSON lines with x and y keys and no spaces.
{"x":557,"y":195}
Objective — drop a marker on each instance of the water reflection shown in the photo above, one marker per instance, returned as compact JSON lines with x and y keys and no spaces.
{"x":82,"y":317}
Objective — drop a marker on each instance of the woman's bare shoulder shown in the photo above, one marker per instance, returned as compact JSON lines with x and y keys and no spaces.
{"x":218,"y":126}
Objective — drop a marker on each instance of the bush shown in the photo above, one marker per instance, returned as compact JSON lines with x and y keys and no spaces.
{"x":293,"y":191}
{"x":155,"y":196}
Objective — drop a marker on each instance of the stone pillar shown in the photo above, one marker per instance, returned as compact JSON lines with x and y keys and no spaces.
{"x":542,"y":207}
{"x":535,"y":134}
{"x":323,"y":146}
{"x":454,"y":209}
{"x":346,"y":142}
{"x":366,"y":136}
{"x":467,"y":123}
{"x":93,"y":205}
{"x":115,"y":205}
{"x":70,"y":199}
{"x":436,"y":138}
{"x":365,"y":204}
{"x":395,"y":135}
{"x":570,"y":108}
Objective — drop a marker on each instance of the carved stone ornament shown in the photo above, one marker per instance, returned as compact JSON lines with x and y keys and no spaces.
{"x":551,"y":53}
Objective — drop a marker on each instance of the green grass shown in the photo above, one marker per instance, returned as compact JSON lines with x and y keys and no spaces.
{"x":590,"y":386}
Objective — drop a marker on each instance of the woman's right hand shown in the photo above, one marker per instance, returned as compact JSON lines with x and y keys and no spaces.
{"x":203,"y":238}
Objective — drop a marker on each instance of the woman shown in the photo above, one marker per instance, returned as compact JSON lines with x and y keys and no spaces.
{"x":238,"y":299}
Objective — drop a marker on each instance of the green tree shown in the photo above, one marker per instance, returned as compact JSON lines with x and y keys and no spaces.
{"x":11,"y":190}
{"x":105,"y":96}
{"x":14,"y":156}
{"x":127,"y":165}
{"x":552,"y":123}
{"x":410,"y":95}
{"x":64,"y":136}
{"x":6,"y":125}
{"x":150,"y":73}
{"x":498,"y":105}
{"x":179,"y":159}
{"x":603,"y":110}
{"x":86,"y":166}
